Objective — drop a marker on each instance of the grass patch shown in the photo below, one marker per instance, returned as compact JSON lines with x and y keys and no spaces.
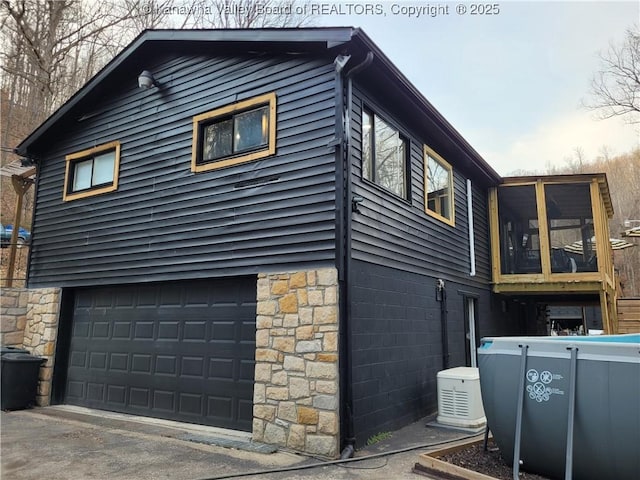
{"x":378,"y":437}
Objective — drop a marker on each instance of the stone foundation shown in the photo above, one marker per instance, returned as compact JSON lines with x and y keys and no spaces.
{"x":13,"y":314}
{"x":30,"y":321}
{"x":296,"y":403}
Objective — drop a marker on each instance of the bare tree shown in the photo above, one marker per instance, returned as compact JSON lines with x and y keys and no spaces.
{"x":46,"y":41}
{"x":615,"y":88}
{"x":623,"y":177}
{"x":576,"y":162}
{"x":50,"y":48}
{"x":248,"y":14}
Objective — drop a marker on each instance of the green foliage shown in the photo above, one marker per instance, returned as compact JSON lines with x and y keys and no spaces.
{"x":378,"y":437}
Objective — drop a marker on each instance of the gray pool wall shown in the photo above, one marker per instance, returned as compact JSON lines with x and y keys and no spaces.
{"x":606,"y":436}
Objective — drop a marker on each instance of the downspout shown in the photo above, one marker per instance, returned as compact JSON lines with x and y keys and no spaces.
{"x":347,"y":210}
{"x":441,"y":296}
{"x":472,"y":247}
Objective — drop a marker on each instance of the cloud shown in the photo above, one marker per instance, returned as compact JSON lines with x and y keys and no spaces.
{"x":555,"y":141}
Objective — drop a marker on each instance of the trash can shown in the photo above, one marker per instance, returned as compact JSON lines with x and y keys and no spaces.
{"x":11,"y":349}
{"x":19,"y":381}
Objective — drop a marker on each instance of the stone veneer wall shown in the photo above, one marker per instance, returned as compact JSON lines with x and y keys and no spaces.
{"x":295,"y":402}
{"x":30,"y":320}
{"x":13,"y":315}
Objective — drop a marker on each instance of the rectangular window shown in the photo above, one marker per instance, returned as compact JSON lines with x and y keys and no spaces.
{"x":92,"y":172}
{"x":237,"y":133}
{"x":439,"y":187}
{"x":384,"y":154}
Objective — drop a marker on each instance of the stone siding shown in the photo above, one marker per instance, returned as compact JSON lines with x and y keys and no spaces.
{"x":13,"y":315}
{"x":30,"y":320}
{"x":296,"y":403}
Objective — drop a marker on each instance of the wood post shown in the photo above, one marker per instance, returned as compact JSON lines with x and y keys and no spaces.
{"x":20,"y":185}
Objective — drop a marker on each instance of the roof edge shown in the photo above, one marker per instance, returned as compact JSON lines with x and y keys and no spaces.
{"x":480,"y":162}
{"x":332,"y":36}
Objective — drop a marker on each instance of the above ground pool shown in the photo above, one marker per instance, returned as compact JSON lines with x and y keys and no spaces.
{"x":564,"y":407}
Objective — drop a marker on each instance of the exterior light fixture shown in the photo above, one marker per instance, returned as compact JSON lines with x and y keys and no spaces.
{"x":355,"y":202}
{"x":146,"y":80}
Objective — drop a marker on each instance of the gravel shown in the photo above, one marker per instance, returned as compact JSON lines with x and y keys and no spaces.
{"x":489,"y":463}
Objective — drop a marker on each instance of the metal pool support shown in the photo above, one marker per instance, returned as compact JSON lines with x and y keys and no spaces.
{"x":568,"y":465}
{"x":518,"y":434}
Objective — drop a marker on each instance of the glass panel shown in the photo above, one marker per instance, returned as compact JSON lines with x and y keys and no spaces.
{"x":571,"y":234}
{"x":367,"y":128}
{"x":103,"y":168}
{"x":438,"y":187}
{"x":519,"y":235}
{"x":82,"y":175}
{"x":390,"y":154}
{"x":251,"y":129}
{"x":217,"y":140}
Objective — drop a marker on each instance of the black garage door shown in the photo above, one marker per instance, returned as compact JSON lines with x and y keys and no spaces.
{"x":181,"y":351}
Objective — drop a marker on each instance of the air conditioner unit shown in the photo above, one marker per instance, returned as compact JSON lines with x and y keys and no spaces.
{"x":459,"y":398}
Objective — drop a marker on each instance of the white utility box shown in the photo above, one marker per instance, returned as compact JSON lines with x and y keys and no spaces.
{"x":459,"y":398}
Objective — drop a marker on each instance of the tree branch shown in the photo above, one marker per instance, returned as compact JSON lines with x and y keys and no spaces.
{"x":615,"y":89}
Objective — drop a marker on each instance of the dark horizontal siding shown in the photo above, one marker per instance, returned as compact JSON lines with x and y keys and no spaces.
{"x":397,"y":232}
{"x":165,"y":222}
{"x":481,"y":232}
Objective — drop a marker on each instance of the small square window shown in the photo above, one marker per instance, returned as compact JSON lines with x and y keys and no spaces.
{"x":384,"y":154}
{"x":438,"y":187}
{"x":237,"y":133}
{"x":92,"y":172}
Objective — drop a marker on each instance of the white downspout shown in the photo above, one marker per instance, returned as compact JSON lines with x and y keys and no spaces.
{"x":472,"y":248}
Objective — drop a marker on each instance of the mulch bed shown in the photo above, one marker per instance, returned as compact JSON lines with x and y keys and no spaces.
{"x":489,"y":463}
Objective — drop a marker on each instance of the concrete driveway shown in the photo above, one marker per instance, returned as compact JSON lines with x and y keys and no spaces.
{"x":59,"y":443}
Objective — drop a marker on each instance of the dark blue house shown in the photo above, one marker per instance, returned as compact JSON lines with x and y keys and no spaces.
{"x":266,"y":230}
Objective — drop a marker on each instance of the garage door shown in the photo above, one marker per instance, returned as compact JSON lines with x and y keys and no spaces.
{"x":180,"y":351}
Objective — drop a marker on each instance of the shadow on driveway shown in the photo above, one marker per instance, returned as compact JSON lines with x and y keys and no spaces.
{"x":58,"y":443}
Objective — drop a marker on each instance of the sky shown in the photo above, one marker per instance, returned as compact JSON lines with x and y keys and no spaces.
{"x":513,"y":82}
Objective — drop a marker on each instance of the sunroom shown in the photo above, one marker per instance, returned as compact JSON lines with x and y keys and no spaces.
{"x":550,"y":238}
